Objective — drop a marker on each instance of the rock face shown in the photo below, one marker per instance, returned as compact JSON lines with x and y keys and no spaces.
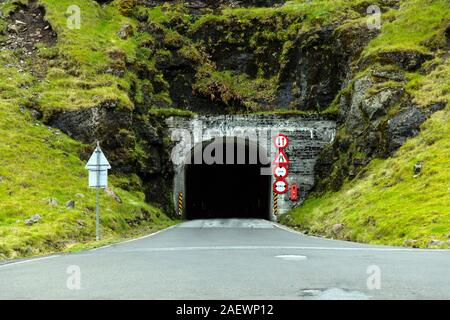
{"x":234,"y":65}
{"x":120,"y":133}
{"x":125,"y":31}
{"x":376,"y":117}
{"x":216,"y":3}
{"x":317,"y":65}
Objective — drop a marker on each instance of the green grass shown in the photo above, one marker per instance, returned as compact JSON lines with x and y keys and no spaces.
{"x":38,"y":163}
{"x":171,"y":112}
{"x":76,"y":77}
{"x":433,"y":87}
{"x":387,"y":204}
{"x":414,"y":25}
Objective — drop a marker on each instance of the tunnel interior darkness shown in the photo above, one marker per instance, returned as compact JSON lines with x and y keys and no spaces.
{"x":232,"y":187}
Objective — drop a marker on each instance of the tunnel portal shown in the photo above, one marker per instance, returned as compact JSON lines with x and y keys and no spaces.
{"x":231,"y":187}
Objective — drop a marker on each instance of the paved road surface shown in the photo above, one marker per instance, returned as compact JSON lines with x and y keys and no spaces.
{"x":231,"y":259}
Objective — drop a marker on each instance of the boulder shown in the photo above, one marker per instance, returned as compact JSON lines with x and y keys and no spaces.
{"x":126,"y":31}
{"x":410,"y":243}
{"x":418,"y":168}
{"x":110,"y":192}
{"x":435,"y":242}
{"x":52,"y":202}
{"x":70,"y":204}
{"x":337,"y":228}
{"x":33,"y":219}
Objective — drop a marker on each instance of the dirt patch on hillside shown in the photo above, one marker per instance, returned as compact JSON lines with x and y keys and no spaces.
{"x":26,"y":28}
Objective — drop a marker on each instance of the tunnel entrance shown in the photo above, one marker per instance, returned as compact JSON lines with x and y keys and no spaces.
{"x":232,"y":186}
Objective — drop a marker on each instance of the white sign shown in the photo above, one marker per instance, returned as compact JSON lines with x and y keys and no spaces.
{"x":281,"y":172}
{"x":281,"y":158}
{"x":100,"y":181}
{"x":98,"y":167}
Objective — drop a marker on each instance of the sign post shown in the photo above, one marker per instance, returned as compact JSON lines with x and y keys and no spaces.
{"x":98,"y":167}
{"x":281,"y":163}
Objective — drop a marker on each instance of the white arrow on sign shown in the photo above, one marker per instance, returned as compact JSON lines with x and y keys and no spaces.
{"x":98,"y":167}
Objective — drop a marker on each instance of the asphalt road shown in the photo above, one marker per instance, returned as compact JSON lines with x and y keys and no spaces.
{"x":231,"y":259}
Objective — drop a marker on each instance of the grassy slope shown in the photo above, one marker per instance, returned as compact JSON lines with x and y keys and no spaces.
{"x":38,"y":163}
{"x":77,"y":79}
{"x":386,"y":204}
{"x":73,"y":80}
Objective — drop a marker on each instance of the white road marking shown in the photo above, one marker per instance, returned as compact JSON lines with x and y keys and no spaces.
{"x":292,"y":257}
{"x":285,"y":228}
{"x":132,"y":240}
{"x":361,"y":249}
{"x":27,"y":261}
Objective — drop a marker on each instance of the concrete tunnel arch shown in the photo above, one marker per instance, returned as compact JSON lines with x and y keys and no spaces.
{"x":233,"y":186}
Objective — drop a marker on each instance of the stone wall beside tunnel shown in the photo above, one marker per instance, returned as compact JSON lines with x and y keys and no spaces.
{"x":308,"y":136}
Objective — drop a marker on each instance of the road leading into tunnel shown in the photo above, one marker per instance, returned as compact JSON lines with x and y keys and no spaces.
{"x":231,"y":259}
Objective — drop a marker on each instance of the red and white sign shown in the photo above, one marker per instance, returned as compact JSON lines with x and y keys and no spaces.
{"x":281,"y":158}
{"x":280,"y":172}
{"x":281,"y":141}
{"x":280,"y":187}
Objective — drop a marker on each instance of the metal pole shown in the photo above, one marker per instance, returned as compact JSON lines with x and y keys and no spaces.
{"x":97,"y":225}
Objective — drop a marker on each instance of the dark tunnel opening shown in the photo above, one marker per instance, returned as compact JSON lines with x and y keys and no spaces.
{"x":231,"y":187}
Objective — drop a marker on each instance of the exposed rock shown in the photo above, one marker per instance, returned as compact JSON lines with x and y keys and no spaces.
{"x":27,"y":27}
{"x":371,"y":221}
{"x":71,"y":204}
{"x":125,"y":31}
{"x":216,"y":4}
{"x":337,"y":228}
{"x":33,"y":219}
{"x":80,"y":195}
{"x":404,"y":125}
{"x":409,"y":60}
{"x":378,"y":104}
{"x":410,"y":243}
{"x":435,"y":242}
{"x":36,"y":114}
{"x":52,"y":202}
{"x":110,"y":192}
{"x":1,"y":179}
{"x":418,"y":168}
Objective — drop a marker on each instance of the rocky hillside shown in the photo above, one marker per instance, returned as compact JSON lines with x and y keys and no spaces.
{"x":129,"y":64}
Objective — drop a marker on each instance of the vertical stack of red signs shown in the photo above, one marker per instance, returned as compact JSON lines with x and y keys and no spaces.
{"x":281,"y":163}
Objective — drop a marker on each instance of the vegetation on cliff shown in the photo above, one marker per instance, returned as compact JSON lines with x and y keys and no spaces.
{"x":137,"y":64}
{"x":386,"y":202}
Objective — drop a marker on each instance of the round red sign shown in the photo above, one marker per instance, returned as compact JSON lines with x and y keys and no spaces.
{"x":281,"y":141}
{"x":280,"y":187}
{"x":280,"y":172}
